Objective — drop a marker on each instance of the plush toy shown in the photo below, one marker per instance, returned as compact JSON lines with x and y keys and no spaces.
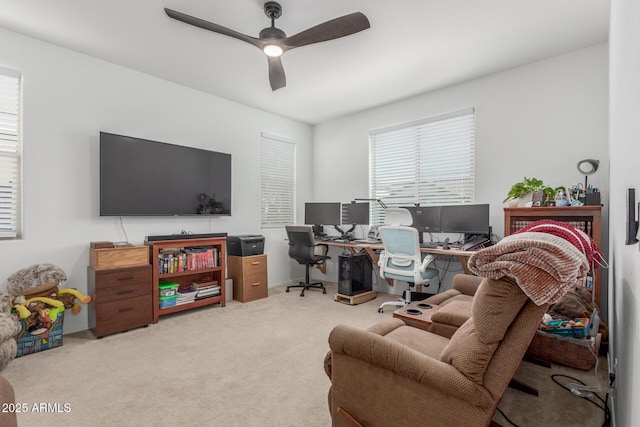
{"x":27,"y":307}
{"x":36,"y":296}
{"x":35,"y":279}
{"x":69,"y":296}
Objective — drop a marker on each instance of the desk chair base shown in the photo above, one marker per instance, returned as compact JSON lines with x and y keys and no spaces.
{"x":306,"y":285}
{"x":401,"y":302}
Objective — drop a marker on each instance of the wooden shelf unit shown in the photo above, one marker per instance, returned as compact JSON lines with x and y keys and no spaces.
{"x":186,"y":278}
{"x":585,"y":218}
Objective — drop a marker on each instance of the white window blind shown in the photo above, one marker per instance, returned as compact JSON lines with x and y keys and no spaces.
{"x":278,"y":172}
{"x":9,"y":152}
{"x":431,"y":162}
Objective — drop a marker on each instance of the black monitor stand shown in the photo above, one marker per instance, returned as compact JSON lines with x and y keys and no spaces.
{"x":346,"y":235}
{"x":318,"y":231}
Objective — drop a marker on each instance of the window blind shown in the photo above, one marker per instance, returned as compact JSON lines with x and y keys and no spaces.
{"x":278,"y":171}
{"x":430,"y":161}
{"x":9,"y":152}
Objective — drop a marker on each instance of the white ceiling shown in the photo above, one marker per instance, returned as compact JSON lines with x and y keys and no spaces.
{"x":413,"y":46}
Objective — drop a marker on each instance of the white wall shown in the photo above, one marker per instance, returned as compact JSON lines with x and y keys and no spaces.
{"x":625,"y":156}
{"x":68,"y":99}
{"x":538,"y":121}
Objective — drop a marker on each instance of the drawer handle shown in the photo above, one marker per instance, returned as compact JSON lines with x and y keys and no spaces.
{"x":125,"y":278}
{"x":122,"y":310}
{"x":255,"y":284}
{"x":128,"y":291}
{"x":255,"y":262}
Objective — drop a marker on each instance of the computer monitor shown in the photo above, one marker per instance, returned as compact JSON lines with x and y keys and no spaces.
{"x":355,"y":213}
{"x":327,"y":213}
{"x":426,"y":219}
{"x":468,"y":219}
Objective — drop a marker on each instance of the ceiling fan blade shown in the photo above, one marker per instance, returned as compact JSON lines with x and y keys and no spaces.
{"x":276,"y":73}
{"x":330,"y":30}
{"x":201,"y":23}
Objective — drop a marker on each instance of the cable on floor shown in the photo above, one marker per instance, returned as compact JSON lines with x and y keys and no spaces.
{"x":588,"y":396}
{"x":507,"y":418}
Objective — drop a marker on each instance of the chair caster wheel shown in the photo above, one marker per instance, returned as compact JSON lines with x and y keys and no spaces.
{"x":287,"y":290}
{"x":380,"y":310}
{"x":324,"y":291}
{"x":302,"y":294}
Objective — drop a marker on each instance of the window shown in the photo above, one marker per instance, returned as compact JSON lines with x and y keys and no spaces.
{"x":9,"y":152}
{"x":431,"y":162}
{"x":278,"y":172}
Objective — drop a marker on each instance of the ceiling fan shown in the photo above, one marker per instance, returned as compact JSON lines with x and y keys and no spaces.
{"x":274,"y":42}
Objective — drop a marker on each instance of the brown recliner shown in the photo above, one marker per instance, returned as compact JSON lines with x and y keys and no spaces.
{"x":394,"y":374}
{"x":453,"y":305}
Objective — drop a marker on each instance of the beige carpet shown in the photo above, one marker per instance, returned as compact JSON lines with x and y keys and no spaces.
{"x":253,"y":364}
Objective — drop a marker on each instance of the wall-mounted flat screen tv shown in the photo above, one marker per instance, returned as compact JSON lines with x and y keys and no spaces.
{"x":139,"y":177}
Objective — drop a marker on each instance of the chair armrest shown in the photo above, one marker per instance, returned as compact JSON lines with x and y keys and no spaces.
{"x":455,"y":313}
{"x":466,"y":283}
{"x":438,"y":299}
{"x":384,"y":353}
{"x":426,"y":261}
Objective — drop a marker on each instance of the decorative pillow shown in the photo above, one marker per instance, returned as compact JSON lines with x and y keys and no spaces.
{"x":467,"y":354}
{"x":495,"y":305}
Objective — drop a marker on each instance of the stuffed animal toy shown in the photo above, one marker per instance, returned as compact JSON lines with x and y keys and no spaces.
{"x":36,"y":295}
{"x":35,"y":279}
{"x":69,"y":296}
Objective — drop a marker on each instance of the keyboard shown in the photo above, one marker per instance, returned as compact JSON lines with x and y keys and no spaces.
{"x":476,"y":244}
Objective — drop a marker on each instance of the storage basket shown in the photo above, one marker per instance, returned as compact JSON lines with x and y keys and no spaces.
{"x":578,"y":353}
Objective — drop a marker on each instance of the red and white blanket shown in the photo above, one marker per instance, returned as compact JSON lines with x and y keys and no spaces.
{"x":544,"y":265}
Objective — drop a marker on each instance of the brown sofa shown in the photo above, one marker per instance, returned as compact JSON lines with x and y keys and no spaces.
{"x":394,"y":374}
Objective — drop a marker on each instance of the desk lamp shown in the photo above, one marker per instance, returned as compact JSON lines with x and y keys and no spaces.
{"x":588,"y":167}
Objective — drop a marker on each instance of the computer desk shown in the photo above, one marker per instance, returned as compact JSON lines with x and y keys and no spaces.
{"x":354,"y":246}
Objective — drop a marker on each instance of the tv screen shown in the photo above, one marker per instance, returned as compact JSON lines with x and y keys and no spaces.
{"x":425,"y":218}
{"x":470,"y":219}
{"x":316,"y":213}
{"x":149,"y":178}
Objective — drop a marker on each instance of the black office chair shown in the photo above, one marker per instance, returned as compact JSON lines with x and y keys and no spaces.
{"x":302,"y":248}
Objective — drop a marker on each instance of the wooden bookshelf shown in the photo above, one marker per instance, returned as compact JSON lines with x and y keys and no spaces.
{"x":187,"y":275}
{"x":584,"y":218}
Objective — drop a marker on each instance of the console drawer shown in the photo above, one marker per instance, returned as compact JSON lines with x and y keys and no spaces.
{"x":122,"y":315}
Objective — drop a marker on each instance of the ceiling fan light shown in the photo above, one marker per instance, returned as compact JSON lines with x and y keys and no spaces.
{"x":272,"y":50}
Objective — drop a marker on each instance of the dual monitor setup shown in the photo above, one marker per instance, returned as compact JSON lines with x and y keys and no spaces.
{"x":470,"y":220}
{"x":335,"y":214}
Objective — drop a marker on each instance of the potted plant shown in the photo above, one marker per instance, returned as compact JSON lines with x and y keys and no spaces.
{"x":522,"y":192}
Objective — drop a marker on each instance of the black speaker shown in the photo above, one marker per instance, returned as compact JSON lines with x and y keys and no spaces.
{"x":355,"y":274}
{"x":632,"y":222}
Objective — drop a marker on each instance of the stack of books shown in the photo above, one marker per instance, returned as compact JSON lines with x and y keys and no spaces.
{"x":186,"y":295}
{"x":206,"y":289}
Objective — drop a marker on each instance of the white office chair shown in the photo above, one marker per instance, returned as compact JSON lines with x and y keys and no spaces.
{"x":401,"y":258}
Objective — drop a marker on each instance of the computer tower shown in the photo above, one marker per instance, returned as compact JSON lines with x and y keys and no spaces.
{"x":355,"y":274}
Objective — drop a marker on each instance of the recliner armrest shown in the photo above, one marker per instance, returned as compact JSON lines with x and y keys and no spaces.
{"x":455,"y":313}
{"x":374,"y":349}
{"x":466,"y":283}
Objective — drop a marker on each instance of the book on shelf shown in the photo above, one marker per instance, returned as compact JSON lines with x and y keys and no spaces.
{"x":174,"y":260}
